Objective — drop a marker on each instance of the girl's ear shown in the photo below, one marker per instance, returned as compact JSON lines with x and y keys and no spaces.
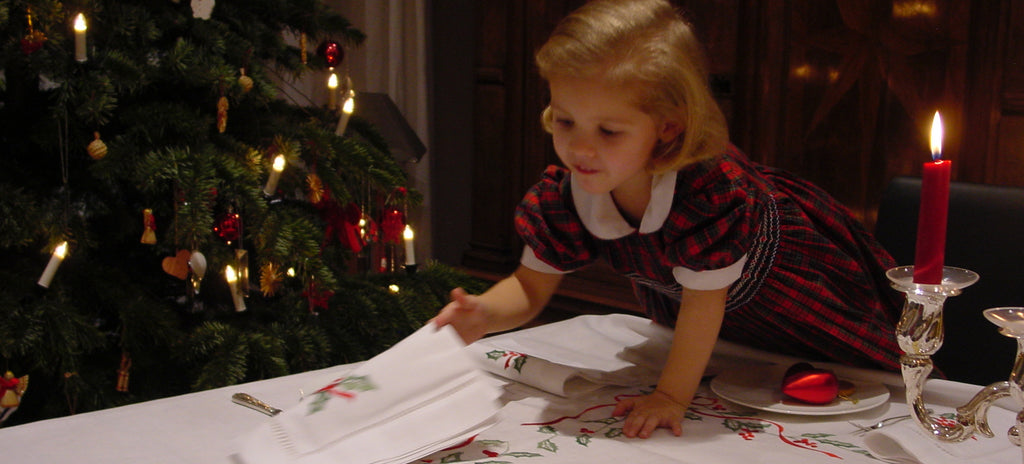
{"x":670,"y":129}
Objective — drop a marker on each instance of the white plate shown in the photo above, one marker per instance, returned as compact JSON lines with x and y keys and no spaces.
{"x":760,"y":387}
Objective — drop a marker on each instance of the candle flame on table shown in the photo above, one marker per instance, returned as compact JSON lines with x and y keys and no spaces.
{"x":936,"y":137}
{"x":80,"y":23}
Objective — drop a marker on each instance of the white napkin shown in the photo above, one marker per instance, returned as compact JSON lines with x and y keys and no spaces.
{"x":927,"y":449}
{"x":579,"y":355}
{"x":423,"y":394}
{"x":918,"y":445}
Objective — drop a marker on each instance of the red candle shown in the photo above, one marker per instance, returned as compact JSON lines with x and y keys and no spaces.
{"x":931,"y":225}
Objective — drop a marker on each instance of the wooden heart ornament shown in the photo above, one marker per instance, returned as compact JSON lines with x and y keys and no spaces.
{"x":803,"y":382}
{"x":177,"y":265}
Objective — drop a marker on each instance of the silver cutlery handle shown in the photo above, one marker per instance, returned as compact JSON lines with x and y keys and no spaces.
{"x":251,"y":402}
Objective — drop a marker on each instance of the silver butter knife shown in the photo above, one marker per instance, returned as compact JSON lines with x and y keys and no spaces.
{"x":251,"y":402}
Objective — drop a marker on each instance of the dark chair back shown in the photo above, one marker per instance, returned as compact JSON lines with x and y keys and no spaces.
{"x":985,"y":234}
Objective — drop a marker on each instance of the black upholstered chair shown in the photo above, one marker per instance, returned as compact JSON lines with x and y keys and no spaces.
{"x":985,"y":234}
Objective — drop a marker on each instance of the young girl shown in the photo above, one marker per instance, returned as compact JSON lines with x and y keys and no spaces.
{"x":714,"y":244}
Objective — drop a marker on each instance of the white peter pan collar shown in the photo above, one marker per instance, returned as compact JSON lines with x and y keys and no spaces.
{"x":602,"y":218}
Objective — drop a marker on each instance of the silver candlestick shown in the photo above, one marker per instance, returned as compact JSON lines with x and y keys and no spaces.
{"x":1011,"y":323}
{"x":920,"y":334}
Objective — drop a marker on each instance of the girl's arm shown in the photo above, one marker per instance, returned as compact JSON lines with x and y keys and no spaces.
{"x":700,"y":318}
{"x":510,"y":303}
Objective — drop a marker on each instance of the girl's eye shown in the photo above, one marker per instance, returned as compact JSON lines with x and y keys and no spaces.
{"x":563,"y":122}
{"x":608,"y":132}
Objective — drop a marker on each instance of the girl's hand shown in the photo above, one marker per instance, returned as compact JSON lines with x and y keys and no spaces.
{"x":466,"y":314}
{"x":649,"y":412}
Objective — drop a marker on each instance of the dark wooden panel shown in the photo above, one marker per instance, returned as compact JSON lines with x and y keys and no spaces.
{"x":511,"y":147}
{"x":497,"y":138}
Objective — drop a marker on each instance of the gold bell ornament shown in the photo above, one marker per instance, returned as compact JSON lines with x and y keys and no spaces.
{"x":149,"y":227}
{"x":97,"y":149}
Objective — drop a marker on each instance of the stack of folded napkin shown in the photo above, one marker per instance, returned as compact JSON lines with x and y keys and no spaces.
{"x":420,"y":396}
{"x":577,"y":356}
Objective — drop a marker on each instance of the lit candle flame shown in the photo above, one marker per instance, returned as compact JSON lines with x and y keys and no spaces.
{"x":61,"y":250}
{"x":229,"y":273}
{"x":80,"y":23}
{"x":936,"y":137}
{"x":332,"y":82}
{"x":350,"y":104}
{"x":279,"y":163}
{"x":407,"y":233}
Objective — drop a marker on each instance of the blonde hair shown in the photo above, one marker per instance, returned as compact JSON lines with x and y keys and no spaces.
{"x":646,"y":47}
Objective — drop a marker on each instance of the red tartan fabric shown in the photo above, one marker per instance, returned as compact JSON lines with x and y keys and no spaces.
{"x":814,"y":282}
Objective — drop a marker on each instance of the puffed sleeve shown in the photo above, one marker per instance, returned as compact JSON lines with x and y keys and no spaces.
{"x":547,"y":222}
{"x":711,"y":228}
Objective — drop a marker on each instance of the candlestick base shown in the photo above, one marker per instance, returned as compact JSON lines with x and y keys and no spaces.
{"x":1011,"y":323}
{"x":920,"y":334}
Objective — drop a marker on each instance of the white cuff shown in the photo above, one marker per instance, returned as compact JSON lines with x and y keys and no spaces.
{"x":531,"y":261}
{"x":710,"y":280}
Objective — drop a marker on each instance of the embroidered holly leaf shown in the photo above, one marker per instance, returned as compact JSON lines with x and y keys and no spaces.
{"x":359,"y":383}
{"x":523,"y":454}
{"x":494,"y":462}
{"x":318,"y":403}
{"x":690,"y":415}
{"x":613,"y":433}
{"x":583,"y":439}
{"x":548,"y":445}
{"x":824,"y":439}
{"x":518,"y":363}
{"x":547,"y":429}
{"x":454,"y":457}
{"x":606,"y":421}
{"x":492,"y":442}
{"x":495,"y":354}
{"x":738,"y":425}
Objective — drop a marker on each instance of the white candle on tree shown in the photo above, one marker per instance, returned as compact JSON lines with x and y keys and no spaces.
{"x":347,"y":107}
{"x":275,"y":175}
{"x":80,"y":27}
{"x":236,"y":296}
{"x":332,"y":92}
{"x":51,"y":267}
{"x":410,"y":251}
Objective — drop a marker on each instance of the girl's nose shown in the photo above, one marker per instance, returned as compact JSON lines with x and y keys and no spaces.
{"x":581,"y":146}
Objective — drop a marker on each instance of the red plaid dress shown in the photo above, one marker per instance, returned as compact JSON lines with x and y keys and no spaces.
{"x":805,"y":277}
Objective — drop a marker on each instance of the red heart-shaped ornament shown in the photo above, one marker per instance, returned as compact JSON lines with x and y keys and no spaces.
{"x":811,"y":385}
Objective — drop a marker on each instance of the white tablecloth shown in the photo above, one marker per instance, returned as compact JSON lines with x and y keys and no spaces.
{"x":536,"y":426}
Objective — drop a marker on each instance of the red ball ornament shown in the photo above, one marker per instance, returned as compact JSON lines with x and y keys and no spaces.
{"x":32,"y":42}
{"x":331,"y":52}
{"x":228,"y":227}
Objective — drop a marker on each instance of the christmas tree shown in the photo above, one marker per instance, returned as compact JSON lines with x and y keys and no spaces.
{"x":149,"y":243}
